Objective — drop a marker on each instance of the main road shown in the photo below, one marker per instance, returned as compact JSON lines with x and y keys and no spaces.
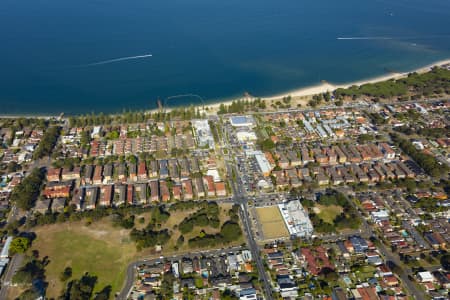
{"x":14,"y":264}
{"x":241,"y":199}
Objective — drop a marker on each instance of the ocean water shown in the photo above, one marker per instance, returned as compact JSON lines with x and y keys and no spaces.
{"x":77,"y":56}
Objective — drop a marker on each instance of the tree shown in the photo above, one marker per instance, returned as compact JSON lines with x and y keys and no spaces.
{"x":364,"y":138}
{"x":66,"y":274}
{"x":159,"y":215}
{"x":31,"y":271}
{"x":180,"y":240}
{"x":267,"y":145}
{"x":29,"y":294}
{"x":13,"y":167}
{"x":415,"y":85}
{"x":25,"y":194}
{"x":428,"y":162}
{"x":127,"y":223}
{"x":83,"y":288}
{"x":47,"y":143}
{"x":104,"y":294}
{"x":231,"y":231}
{"x":445,"y":261}
{"x":19,"y":245}
{"x":222,"y":109}
{"x":149,"y":238}
{"x":132,"y":159}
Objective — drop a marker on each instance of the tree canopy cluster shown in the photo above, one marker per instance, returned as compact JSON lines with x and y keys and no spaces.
{"x":206,"y":216}
{"x":92,"y":215}
{"x":83,"y":288}
{"x":435,"y":82}
{"x":159,"y":215}
{"x":32,"y":274}
{"x":434,"y":133}
{"x":133,"y":117}
{"x":124,"y":221}
{"x":47,"y":142}
{"x":22,"y":122}
{"x":427,"y":162}
{"x":191,"y":204}
{"x":26,"y":193}
{"x":19,"y":245}
{"x":241,"y":106}
{"x":32,"y":270}
{"x":148,"y":237}
{"x":229,"y":232}
{"x":445,"y":261}
{"x":266,"y":145}
{"x":347,"y":219}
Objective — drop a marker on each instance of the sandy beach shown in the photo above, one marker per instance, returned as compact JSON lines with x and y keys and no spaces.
{"x":302,"y":95}
{"x":329,"y":87}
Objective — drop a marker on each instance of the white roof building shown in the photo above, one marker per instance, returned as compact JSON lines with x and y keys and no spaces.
{"x":246,"y":136}
{"x":296,"y":219}
{"x":380,"y":215}
{"x":96,"y":132}
{"x":425,"y":276}
{"x":5,"y":249}
{"x":215,"y":174}
{"x":264,"y":184}
{"x":263,"y":163}
{"x":242,"y":121}
{"x":175,"y":270}
{"x":246,"y":255}
{"x":203,"y":133}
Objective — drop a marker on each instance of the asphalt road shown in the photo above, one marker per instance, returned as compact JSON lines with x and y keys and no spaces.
{"x":241,"y":199}
{"x":410,"y":286}
{"x":13,"y":266}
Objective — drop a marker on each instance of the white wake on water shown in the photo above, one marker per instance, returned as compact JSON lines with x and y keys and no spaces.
{"x":365,"y":38}
{"x":425,"y":37}
{"x":109,"y":61}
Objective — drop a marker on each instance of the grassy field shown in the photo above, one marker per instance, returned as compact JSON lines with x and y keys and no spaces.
{"x":99,"y":249}
{"x":272,"y":222}
{"x":328,"y":213}
{"x":104,"y":250}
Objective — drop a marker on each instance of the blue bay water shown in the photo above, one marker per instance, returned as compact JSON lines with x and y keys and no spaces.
{"x":216,"y":49}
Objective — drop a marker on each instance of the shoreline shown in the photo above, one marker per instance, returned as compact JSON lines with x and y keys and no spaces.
{"x":330,"y":87}
{"x":327,"y":86}
{"x":295,"y":93}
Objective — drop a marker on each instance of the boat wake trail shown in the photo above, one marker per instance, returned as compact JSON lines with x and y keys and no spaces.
{"x":365,"y":38}
{"x":425,"y":37}
{"x":110,"y":61}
